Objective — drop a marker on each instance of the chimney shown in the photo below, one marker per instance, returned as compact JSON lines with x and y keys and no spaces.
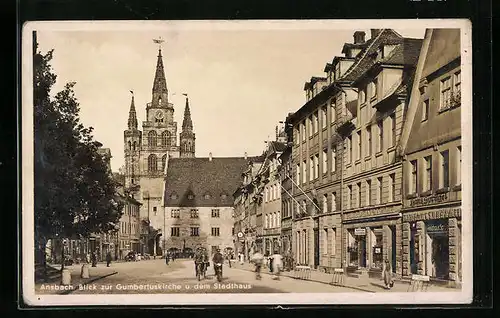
{"x":246,"y":155}
{"x":375,"y":32}
{"x":359,"y":37}
{"x":209,"y":156}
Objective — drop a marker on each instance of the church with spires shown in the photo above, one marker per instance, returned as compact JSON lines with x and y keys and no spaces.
{"x":147,"y":152}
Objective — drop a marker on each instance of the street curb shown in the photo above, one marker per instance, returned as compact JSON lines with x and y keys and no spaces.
{"x":67,"y":292}
{"x":316,"y":281}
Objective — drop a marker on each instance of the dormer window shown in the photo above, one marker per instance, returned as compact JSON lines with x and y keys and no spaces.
{"x":223,"y":196}
{"x":173,"y":196}
{"x":190,"y":196}
{"x":207,"y":196}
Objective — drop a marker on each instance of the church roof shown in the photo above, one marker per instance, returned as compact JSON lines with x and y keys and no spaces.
{"x":197,"y":182}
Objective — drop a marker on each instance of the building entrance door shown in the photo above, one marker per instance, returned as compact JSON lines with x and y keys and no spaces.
{"x":362,"y":251}
{"x":393,"y":247}
{"x":316,"y":248}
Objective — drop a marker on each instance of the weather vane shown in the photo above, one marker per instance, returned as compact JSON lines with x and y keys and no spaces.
{"x":159,"y":41}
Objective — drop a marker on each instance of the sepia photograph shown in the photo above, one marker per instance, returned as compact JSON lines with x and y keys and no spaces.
{"x":247,"y":162}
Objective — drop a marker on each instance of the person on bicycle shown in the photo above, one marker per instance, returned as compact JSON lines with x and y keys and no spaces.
{"x":218,"y":259}
{"x":198,"y":259}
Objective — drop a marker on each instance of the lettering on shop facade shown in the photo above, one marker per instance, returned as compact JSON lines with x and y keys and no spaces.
{"x":429,"y":200}
{"x":432,"y":215}
{"x":371,"y":213}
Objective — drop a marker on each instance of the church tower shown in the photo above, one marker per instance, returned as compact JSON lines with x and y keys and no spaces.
{"x":132,"y":146}
{"x":187,"y":140}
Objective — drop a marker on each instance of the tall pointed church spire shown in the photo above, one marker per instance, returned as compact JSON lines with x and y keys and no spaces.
{"x":187,"y":123}
{"x":132,"y":115}
{"x":160,"y":91}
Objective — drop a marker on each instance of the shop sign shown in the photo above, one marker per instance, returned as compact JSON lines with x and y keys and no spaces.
{"x":359,"y":231}
{"x":433,"y":199}
{"x":437,"y":227}
{"x":432,"y":215}
{"x":372,"y":212}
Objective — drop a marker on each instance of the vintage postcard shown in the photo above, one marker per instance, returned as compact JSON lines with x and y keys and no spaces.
{"x":247,"y":162}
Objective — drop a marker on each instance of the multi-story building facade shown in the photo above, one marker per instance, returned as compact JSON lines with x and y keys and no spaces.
{"x":287,"y":190}
{"x":431,"y":143}
{"x":147,"y":153}
{"x":248,"y":198}
{"x":372,"y":171}
{"x":271,"y":205}
{"x":347,"y":174}
{"x":199,"y":203}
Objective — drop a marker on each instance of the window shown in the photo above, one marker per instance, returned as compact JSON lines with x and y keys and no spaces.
{"x":310,"y":126}
{"x":325,"y":203}
{"x":165,"y":138}
{"x":215,"y":231}
{"x":445,"y":93}
{"x":392,"y":187}
{"x":303,"y":130}
{"x":152,"y":163}
{"x":459,"y":165}
{"x":297,"y":134}
{"x":425,"y":110}
{"x":414,"y":176}
{"x":380,"y":143}
{"x":369,"y":140}
{"x":333,"y":110}
{"x":349,"y":145}
{"x":154,"y":210}
{"x":457,"y":82}
{"x":325,"y":161}
{"x":195,"y":231}
{"x":323,"y":116}
{"x":175,"y":231}
{"x":334,"y":201}
{"x":368,"y":192}
{"x":349,"y":197}
{"x":428,"y":173}
{"x":266,"y":194}
{"x":334,"y":159}
{"x":444,"y":174}
{"x":311,"y":168}
{"x":334,"y":243}
{"x":380,"y":186}
{"x":163,"y":162}
{"x":194,"y":213}
{"x":359,"y":195}
{"x":152,"y":139}
{"x":393,"y":130}
{"x":298,"y":174}
{"x":316,"y":166}
{"x":175,"y":213}
{"x":362,"y":95}
{"x":266,"y":224}
{"x":358,"y":149}
{"x":325,"y":241}
{"x":215,"y":213}
{"x":304,"y":171}
{"x":304,"y":206}
{"x":374,"y":88}
{"x":315,"y":123}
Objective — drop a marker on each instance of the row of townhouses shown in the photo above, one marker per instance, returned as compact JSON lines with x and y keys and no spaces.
{"x":368,"y":169}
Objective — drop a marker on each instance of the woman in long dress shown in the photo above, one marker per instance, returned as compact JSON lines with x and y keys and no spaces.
{"x":387,"y":274}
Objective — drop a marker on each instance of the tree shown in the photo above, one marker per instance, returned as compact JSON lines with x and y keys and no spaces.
{"x":75,"y":193}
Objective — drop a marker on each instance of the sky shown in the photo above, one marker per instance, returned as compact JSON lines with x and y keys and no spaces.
{"x":240,"y":83}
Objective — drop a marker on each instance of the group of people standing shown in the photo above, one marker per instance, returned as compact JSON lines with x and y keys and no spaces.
{"x":274,"y":263}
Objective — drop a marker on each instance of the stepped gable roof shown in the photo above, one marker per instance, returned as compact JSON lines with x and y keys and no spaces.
{"x":197,"y":182}
{"x":366,"y":57}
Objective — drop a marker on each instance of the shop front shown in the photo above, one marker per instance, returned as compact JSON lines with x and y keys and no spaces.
{"x":432,"y":243}
{"x":369,"y":241}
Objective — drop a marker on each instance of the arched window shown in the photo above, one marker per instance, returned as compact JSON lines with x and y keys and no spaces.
{"x":129,"y":145}
{"x":152,"y":163}
{"x":152,"y":138}
{"x":163,"y":162}
{"x":165,"y":138}
{"x":135,"y":145}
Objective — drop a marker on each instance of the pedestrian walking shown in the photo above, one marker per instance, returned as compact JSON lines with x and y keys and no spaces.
{"x":271,"y":263}
{"x":277,"y":264}
{"x":94,"y":259}
{"x":257,"y":259}
{"x":166,"y":258}
{"x":108,"y":259}
{"x":387,"y":275}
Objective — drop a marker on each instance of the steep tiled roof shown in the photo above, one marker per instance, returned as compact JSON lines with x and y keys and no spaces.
{"x":278,"y":146}
{"x":366,"y":58}
{"x":405,"y":54}
{"x":201,"y":182}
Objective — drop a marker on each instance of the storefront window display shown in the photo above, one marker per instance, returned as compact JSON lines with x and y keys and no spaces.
{"x":357,"y":247}
{"x":377,"y":248}
{"x":437,"y":248}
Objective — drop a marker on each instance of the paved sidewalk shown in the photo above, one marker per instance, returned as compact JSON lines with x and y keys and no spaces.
{"x":364,"y":284}
{"x":53,"y":286}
